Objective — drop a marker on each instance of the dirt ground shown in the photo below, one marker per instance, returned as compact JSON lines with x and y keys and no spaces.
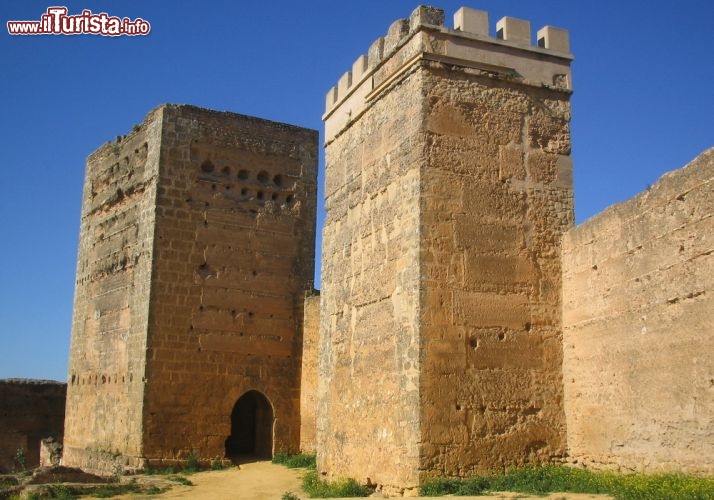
{"x":267,"y":481}
{"x":257,"y":480}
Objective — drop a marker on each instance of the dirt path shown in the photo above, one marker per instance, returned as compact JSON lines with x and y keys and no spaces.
{"x":267,"y":481}
{"x":253,"y":481}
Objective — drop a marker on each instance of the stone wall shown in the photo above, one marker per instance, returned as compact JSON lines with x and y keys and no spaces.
{"x":30,"y":410}
{"x":496,"y":198}
{"x":196,"y":252}
{"x":448,"y":187}
{"x":368,"y":410}
{"x":235,"y":254}
{"x":105,"y":394}
{"x":638,"y":289}
{"x":308,"y":374}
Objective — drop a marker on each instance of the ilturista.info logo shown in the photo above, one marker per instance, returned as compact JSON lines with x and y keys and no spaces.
{"x":56,"y":21}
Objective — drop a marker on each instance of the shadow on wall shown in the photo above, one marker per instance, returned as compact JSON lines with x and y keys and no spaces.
{"x":30,"y":410}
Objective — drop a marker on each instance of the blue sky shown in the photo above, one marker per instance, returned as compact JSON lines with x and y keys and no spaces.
{"x":643,"y":105}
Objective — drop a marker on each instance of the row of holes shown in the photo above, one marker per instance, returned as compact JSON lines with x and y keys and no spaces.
{"x":259,"y":195}
{"x":96,"y":379}
{"x":263,"y":177}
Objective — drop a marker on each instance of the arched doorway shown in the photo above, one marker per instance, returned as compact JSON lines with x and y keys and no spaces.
{"x":251,"y":427}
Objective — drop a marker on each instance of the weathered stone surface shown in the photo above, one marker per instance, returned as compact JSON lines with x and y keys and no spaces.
{"x":105,"y":394}
{"x":50,"y":452}
{"x":195,"y":253}
{"x":308,"y":375}
{"x":30,"y":410}
{"x":446,"y":200}
{"x":638,"y":289}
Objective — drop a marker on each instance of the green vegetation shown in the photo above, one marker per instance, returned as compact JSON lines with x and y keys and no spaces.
{"x":8,"y":482}
{"x":295,"y":461}
{"x":217,"y":464}
{"x":316,"y":488}
{"x":289,"y":495}
{"x":550,"y":479}
{"x":20,"y":459}
{"x":192,"y":463}
{"x":111,"y":490}
{"x":181,"y":480}
{"x":67,"y":492}
{"x":153,"y":490}
{"x":313,"y":485}
{"x":160,"y":472}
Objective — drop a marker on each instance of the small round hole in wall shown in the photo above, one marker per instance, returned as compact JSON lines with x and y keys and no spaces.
{"x":289,"y":199}
{"x":274,"y":197}
{"x":260,"y":195}
{"x":263,"y":176}
{"x":278,"y":180}
{"x":207,"y":166}
{"x":226,"y":171}
{"x":243,"y":174}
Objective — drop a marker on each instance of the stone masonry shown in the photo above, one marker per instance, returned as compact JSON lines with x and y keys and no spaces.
{"x":638,"y":298}
{"x":30,"y":411}
{"x":308,"y":375}
{"x":196,"y":250}
{"x":448,"y":188}
{"x":463,"y":325}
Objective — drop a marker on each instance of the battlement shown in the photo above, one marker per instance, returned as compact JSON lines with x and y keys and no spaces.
{"x":511,"y":53}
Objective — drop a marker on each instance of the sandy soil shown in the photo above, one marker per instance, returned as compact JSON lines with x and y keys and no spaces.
{"x":257,"y":480}
{"x":266,"y":481}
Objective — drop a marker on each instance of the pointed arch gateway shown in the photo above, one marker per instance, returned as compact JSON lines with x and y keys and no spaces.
{"x":251,"y":427}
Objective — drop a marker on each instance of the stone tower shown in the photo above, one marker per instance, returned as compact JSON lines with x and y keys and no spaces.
{"x":448,"y":187}
{"x":196,"y":249}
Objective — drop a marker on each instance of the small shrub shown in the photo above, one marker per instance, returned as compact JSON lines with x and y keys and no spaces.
{"x":298,"y":461}
{"x":152,"y":490}
{"x":289,"y":495}
{"x":439,"y":486}
{"x":217,"y":464}
{"x":316,"y":488}
{"x":193,"y":463}
{"x":20,"y":459}
{"x":160,"y":472}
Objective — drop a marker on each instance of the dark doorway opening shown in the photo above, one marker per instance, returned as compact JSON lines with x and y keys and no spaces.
{"x":251,"y":428}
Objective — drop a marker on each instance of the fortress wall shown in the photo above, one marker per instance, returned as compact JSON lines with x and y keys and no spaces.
{"x":308,"y":374}
{"x":235,"y":223}
{"x":30,"y":410}
{"x":638,"y":297}
{"x":496,"y":198}
{"x":105,"y":390}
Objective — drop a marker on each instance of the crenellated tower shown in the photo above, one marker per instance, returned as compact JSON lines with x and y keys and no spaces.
{"x":448,"y":187}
